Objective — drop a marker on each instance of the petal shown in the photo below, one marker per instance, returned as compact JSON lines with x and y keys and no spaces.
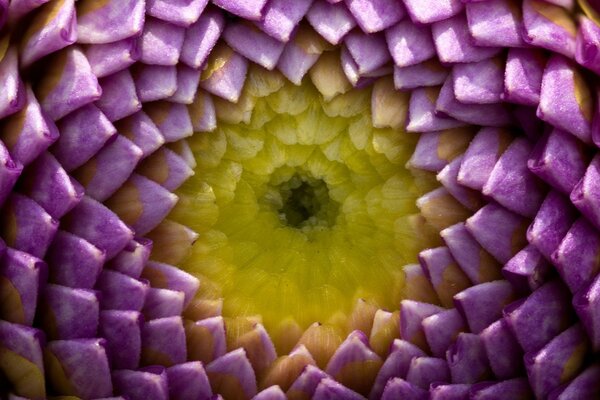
{"x":108,"y":21}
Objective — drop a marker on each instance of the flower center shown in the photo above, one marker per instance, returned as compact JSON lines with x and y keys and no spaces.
{"x":302,"y":207}
{"x":306,"y":203}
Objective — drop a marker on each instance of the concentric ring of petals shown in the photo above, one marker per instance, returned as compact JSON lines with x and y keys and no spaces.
{"x":108,"y":108}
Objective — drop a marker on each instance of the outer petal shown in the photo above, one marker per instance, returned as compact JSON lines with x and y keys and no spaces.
{"x":79,"y":367}
{"x":566,"y":100}
{"x":107,"y":21}
{"x":52,"y":29}
{"x":232,"y":375}
{"x":247,"y":9}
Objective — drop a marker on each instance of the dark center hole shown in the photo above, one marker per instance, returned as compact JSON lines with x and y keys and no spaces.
{"x":301,"y":204}
{"x":305,"y":202}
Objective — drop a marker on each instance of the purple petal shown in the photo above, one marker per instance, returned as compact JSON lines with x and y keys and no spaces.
{"x":83,"y":364}
{"x":523,"y":76}
{"x":467,"y":359}
{"x":424,"y":13}
{"x":232,"y":375}
{"x":140,"y":129}
{"x":495,"y":23}
{"x":527,"y":270}
{"x":376,"y":15}
{"x":141,"y":203}
{"x":423,"y":371}
{"x":160,"y":42}
{"x":206,"y":339}
{"x":132,"y":259}
{"x":76,"y":145}
{"x":482,"y":304}
{"x":418,"y":287}
{"x":145,"y":384}
{"x":412,"y":314}
{"x":225,"y":73}
{"x":155,"y":82}
{"x":332,"y":21}
{"x":22,"y":359}
{"x":306,"y":384}
{"x":549,"y":26}
{"x":12,"y":97}
{"x":201,"y":37}
{"x":551,"y":224}
{"x":588,"y":44}
{"x":166,"y":168}
{"x":280,"y":17}
{"x":481,"y":157}
{"x":559,"y":361}
{"x":428,"y":73}
{"x":106,"y":172}
{"x":330,"y":389}
{"x":511,"y":183}
{"x":448,"y":177}
{"x":354,"y":364}
{"x":253,"y":44}
{"x":398,"y":388}
{"x":541,"y":316}
{"x":396,"y":364}
{"x":566,"y":101}
{"x":29,"y":132}
{"x":187,"y":85}
{"x":26,"y":226}
{"x":121,"y":292}
{"x":53,"y":27}
{"x":119,"y":97}
{"x":576,"y":256}
{"x":499,"y":231}
{"x":512,"y":388}
{"x":247,"y":9}
{"x":479,"y":82}
{"x":163,"y":342}
{"x":182,"y":13}
{"x":109,"y":21}
{"x":22,"y":275}
{"x":442,"y":329}
{"x":162,"y":303}
{"x":582,"y":387}
{"x":503,"y":350}
{"x":122,"y":331}
{"x":69,"y":313}
{"x":106,"y":59}
{"x":452,"y":38}
{"x":474,"y":261}
{"x":10,"y":170}
{"x":188,"y":381}
{"x":447,"y":104}
{"x":74,"y":261}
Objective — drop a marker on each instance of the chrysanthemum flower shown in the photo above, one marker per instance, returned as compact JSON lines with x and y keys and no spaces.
{"x":302,"y":199}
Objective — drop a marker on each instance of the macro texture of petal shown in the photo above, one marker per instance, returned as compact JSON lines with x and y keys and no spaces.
{"x":311,"y":199}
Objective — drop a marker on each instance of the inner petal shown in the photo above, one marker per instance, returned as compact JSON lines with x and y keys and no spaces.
{"x":302,"y":207}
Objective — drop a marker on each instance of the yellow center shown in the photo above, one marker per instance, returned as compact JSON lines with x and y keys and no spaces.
{"x":301,"y":205}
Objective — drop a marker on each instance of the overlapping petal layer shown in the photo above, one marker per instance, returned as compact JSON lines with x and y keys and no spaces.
{"x":98,"y":100}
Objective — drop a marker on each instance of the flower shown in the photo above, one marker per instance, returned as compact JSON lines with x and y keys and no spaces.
{"x":299,"y":199}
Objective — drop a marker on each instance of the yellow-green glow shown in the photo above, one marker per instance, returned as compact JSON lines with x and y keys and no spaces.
{"x":296,"y":150}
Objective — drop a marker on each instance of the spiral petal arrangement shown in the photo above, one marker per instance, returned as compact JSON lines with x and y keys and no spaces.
{"x":308,"y":199}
